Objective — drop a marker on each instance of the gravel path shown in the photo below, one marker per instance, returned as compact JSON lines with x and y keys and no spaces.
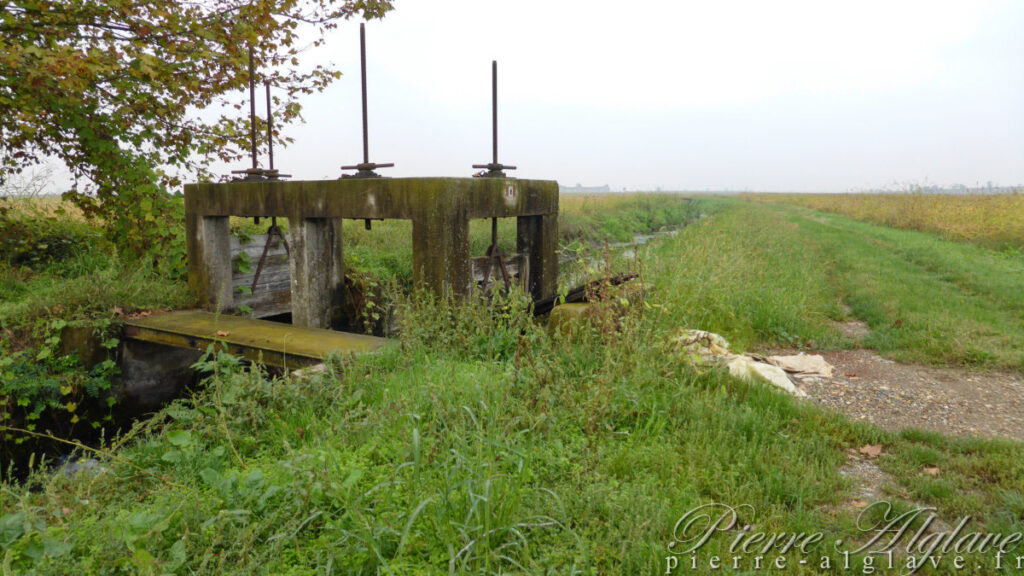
{"x":895,"y":396}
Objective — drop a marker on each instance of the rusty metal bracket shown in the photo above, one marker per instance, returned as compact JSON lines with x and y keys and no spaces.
{"x":495,"y":256}
{"x":273,"y":231}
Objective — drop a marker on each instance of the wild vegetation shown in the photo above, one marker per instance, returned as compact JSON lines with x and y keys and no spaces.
{"x":112,"y":89}
{"x":990,"y":220}
{"x":54,"y":264}
{"x":489,"y":444}
{"x":59,"y":273}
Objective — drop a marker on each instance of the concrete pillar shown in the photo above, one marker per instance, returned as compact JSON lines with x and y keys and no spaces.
{"x":440,"y":253}
{"x":209,"y":260}
{"x":538,"y":235}
{"x":317,"y":269}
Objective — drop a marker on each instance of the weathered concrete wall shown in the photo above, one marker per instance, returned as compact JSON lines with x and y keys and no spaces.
{"x":440,"y":247}
{"x":152,"y":374}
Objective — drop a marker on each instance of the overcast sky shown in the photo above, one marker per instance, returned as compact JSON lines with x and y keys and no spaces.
{"x":805,"y":96}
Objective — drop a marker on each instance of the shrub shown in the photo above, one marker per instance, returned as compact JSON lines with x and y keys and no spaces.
{"x":34,"y":239}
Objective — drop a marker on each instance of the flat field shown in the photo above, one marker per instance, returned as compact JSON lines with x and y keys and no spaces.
{"x":486,"y":444}
{"x":991,"y":220}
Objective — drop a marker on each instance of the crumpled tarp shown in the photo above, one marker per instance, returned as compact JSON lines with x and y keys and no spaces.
{"x":746,"y":368}
{"x":803,"y":365}
{"x":707,"y":347}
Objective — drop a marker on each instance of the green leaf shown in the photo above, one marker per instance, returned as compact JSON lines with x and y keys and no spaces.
{"x":56,"y":548}
{"x":178,"y":555}
{"x":211,"y":477}
{"x":179,"y":437}
{"x":12,"y":527}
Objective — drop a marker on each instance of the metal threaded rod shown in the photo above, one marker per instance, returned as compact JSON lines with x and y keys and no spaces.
{"x":255,"y":173}
{"x":270,"y":128}
{"x":252,"y":108}
{"x":494,"y":169}
{"x":366,"y":168}
{"x":362,"y":64}
{"x":494,"y":107}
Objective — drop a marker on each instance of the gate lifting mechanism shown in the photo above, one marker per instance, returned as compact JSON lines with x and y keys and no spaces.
{"x":366,"y":168}
{"x":255,"y":173}
{"x":494,"y":170}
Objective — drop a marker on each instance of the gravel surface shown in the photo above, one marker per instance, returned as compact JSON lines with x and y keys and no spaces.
{"x":895,"y":396}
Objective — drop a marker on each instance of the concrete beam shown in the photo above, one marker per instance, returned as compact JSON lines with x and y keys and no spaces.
{"x":402,"y":198}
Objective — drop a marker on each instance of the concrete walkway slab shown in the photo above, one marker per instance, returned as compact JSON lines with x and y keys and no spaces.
{"x":272,"y":343}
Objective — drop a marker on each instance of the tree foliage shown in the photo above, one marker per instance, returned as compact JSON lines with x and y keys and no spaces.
{"x":114,"y":89}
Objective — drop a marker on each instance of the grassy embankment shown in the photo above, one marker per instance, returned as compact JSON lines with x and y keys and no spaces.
{"x":487,"y":445}
{"x":584,"y":219}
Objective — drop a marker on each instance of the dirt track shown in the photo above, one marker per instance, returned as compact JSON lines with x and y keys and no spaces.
{"x":895,"y":396}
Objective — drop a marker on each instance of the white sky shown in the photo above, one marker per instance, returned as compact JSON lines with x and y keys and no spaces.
{"x":781,"y":95}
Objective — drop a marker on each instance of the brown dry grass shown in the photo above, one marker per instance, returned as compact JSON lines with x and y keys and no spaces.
{"x":995,"y":221}
{"x":48,"y":205}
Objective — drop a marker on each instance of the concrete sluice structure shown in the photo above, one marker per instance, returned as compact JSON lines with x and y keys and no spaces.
{"x":157,"y":351}
{"x":440,"y":210}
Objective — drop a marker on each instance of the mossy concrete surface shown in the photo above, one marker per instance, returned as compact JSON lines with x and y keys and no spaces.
{"x":271,"y":343}
{"x":405,"y":198}
{"x":565,"y":318}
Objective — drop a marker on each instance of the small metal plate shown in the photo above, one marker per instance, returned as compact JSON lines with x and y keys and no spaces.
{"x":511,"y":193}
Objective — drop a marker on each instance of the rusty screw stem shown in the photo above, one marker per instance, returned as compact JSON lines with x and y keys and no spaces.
{"x":252,"y":109}
{"x":270,"y":128}
{"x":362,"y":67}
{"x":366,"y":169}
{"x":270,"y":173}
{"x":495,"y":169}
{"x":494,"y":109}
{"x":253,"y":173}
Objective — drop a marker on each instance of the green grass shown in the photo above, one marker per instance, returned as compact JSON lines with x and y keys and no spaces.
{"x":88,"y":284}
{"x":926,"y":299}
{"x":486,"y":445}
{"x":578,"y":458}
{"x":778,"y":275}
{"x":618,"y":217}
{"x":748,"y":274}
